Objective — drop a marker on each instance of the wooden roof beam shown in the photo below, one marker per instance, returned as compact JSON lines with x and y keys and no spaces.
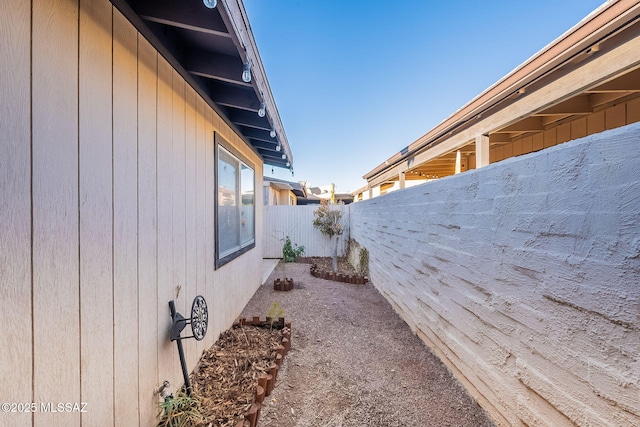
{"x":238,"y":97}
{"x":598,"y":99}
{"x":530,"y":124}
{"x":577,"y":105}
{"x":191,"y":16}
{"x":249,"y":119}
{"x":626,"y":83}
{"x":259,"y":135}
{"x":498,"y":138}
{"x":266,"y":146}
{"x":547,"y":120}
{"x":215,"y":66}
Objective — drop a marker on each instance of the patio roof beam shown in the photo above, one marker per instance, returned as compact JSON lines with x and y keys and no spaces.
{"x":499,"y":138}
{"x":577,"y":105}
{"x":598,"y":99}
{"x":530,"y":124}
{"x":629,"y":82}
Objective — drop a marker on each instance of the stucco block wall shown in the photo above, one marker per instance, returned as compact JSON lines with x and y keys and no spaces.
{"x":106,"y":214}
{"x":524,"y":277}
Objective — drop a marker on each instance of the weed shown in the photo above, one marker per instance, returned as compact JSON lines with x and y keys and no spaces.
{"x":275,"y":312}
{"x":363,"y":262}
{"x":179,"y":411}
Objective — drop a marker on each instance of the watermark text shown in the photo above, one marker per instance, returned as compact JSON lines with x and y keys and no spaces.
{"x":51,"y":407}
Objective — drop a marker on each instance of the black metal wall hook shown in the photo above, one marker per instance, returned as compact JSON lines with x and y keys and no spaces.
{"x":199,"y":322}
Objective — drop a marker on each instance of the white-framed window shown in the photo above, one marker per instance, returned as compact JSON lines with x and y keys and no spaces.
{"x":235,"y":204}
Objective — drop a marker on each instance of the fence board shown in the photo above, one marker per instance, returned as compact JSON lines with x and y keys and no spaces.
{"x":297,"y":223}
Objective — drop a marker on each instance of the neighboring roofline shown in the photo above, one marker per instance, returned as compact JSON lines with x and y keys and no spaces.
{"x":281,"y":184}
{"x":573,"y":43}
{"x":359,"y":190}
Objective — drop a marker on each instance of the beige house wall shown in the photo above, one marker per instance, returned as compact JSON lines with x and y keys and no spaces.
{"x":107,"y":194}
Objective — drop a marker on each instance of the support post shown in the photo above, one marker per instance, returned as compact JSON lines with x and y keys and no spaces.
{"x":482,"y":151}
{"x":401,"y":180}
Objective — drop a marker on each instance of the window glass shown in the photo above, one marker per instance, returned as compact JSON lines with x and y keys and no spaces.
{"x":235,"y":208}
{"x":247,"y":209}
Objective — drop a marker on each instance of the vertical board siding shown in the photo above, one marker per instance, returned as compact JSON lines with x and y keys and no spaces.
{"x":15,"y":209}
{"x":297,"y":223}
{"x":200,"y":206}
{"x":178,"y":199}
{"x":56,"y":306}
{"x":167,"y":357}
{"x":107,"y":185}
{"x":96,"y":211}
{"x":147,"y":232}
{"x":190,"y":171}
{"x":125,"y":220}
{"x":211,"y":293}
{"x":510,"y":275}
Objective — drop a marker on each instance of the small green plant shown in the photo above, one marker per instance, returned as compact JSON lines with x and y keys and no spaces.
{"x":179,"y":411}
{"x":275,"y":312}
{"x":291,"y":252}
{"x":363,"y":262}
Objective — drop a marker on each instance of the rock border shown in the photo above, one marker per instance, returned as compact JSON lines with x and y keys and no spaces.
{"x":266,"y":382}
{"x":355,"y":279}
{"x":283,"y":285}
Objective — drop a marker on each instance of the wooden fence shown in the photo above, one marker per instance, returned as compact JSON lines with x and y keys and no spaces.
{"x":297,"y":223}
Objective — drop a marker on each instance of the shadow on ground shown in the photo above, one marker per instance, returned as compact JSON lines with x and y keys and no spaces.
{"x":354,"y":362}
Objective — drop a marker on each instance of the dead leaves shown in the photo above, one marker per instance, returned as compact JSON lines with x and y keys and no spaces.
{"x":227,"y":375}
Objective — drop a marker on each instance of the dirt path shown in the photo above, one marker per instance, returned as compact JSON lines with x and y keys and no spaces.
{"x":354,"y":362}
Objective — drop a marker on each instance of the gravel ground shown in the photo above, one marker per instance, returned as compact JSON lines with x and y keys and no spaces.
{"x":354,"y":362}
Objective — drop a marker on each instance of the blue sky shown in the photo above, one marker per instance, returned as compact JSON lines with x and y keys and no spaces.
{"x":356,"y":81}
